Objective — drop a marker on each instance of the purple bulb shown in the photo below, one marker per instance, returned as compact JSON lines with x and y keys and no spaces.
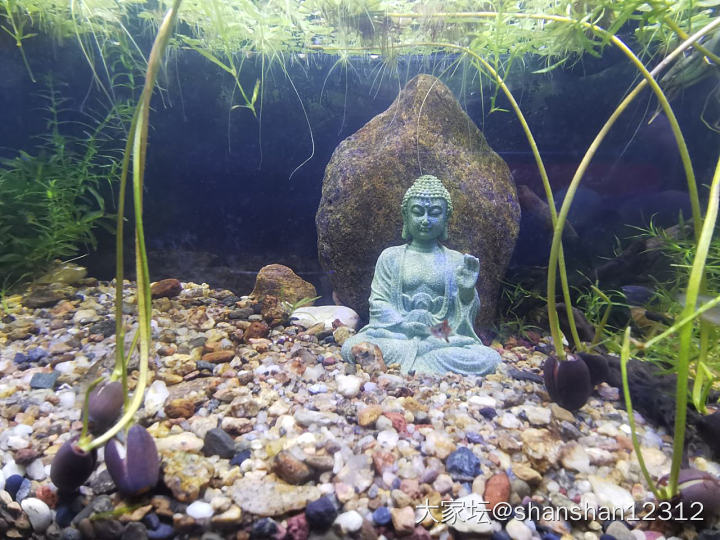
{"x":135,"y":467}
{"x":567,"y":382}
{"x":71,"y":466}
{"x":699,"y":494}
{"x":104,"y":406}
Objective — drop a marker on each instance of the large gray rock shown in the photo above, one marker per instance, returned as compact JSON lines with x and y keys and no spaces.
{"x":424,"y":131}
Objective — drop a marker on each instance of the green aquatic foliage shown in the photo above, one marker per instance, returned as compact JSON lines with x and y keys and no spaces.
{"x":51,"y":196}
{"x":703,"y":355}
{"x":136,"y":469}
{"x":491,"y":36}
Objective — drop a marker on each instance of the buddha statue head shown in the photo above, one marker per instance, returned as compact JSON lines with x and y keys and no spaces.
{"x":426,"y":197}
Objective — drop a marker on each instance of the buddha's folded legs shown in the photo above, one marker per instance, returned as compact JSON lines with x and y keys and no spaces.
{"x":461,"y":355}
{"x":468,"y":360}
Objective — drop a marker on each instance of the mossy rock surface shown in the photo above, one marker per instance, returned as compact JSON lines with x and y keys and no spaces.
{"x":424,"y":131}
{"x":282,"y":283}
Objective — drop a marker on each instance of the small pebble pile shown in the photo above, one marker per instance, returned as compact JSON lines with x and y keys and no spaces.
{"x":264,"y":432}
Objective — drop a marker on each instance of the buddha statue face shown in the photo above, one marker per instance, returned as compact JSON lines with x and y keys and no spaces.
{"x":426,"y":209}
{"x":426,"y":218}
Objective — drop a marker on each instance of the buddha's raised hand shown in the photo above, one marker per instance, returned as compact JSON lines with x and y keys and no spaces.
{"x":467,"y":272}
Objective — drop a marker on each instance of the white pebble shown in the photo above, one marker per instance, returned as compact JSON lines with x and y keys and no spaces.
{"x":38,"y":513}
{"x":348,"y":385}
{"x":318,"y":388}
{"x":349,"y":522}
{"x":15,"y":442}
{"x":155,"y":397}
{"x":482,"y":401}
{"x":65,"y":367}
{"x":509,"y":421}
{"x":36,"y":470}
{"x":11,"y":468}
{"x":388,"y":438}
{"x":200,"y":510}
{"x":67,"y":399}
{"x":517,"y":530}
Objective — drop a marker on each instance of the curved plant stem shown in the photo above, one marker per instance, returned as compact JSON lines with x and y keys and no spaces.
{"x":138,"y":136}
{"x":682,"y":322}
{"x":600,"y":328}
{"x":624,"y":357}
{"x":120,"y":370}
{"x":683,"y":35}
{"x":554,"y":328}
{"x":694,"y":283}
{"x":555,"y":251}
{"x":585,"y":162}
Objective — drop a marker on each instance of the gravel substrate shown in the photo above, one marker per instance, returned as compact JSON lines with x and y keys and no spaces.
{"x":277,"y":437}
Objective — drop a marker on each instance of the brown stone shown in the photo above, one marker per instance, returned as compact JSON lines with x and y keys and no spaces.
{"x":320,"y":463}
{"x":179,"y":408}
{"x":25,"y":456}
{"x":359,"y":216}
{"x":257,"y":329}
{"x":165,"y":288}
{"x":197,"y":390}
{"x":218,"y":357}
{"x":272,"y":310}
{"x":403,"y":520}
{"x":291,"y":469}
{"x":497,"y":490}
{"x":369,"y":357}
{"x":281,"y":282}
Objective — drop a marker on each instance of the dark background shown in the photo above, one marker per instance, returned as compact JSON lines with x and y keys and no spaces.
{"x":222,"y":199}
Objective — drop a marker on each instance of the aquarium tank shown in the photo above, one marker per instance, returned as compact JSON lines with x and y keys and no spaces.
{"x":370,"y":269}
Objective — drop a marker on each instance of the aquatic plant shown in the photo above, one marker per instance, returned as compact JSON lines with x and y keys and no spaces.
{"x":490,"y":41}
{"x":51,"y":198}
{"x":137,"y":470}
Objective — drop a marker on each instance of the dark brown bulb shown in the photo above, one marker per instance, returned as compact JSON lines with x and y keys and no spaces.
{"x":567,"y":382}
{"x":105,"y":406}
{"x":71,"y":466}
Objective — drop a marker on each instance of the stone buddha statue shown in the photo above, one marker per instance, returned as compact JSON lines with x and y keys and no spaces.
{"x":423,"y":299}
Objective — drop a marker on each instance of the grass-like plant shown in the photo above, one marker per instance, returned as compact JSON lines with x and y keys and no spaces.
{"x":683,"y":329}
{"x":51,"y":198}
{"x":136,"y":470}
{"x":490,"y":42}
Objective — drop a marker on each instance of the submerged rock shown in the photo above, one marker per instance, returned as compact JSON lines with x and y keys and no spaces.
{"x":268,"y":498}
{"x":282,"y":283}
{"x":363,"y":187}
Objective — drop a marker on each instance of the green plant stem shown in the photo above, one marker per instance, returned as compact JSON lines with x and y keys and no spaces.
{"x":139,"y":144}
{"x":696,"y":277}
{"x":685,"y":319}
{"x":624,"y":357}
{"x":120,"y":362}
{"x":567,"y":201}
{"x":18,"y":35}
{"x":600,"y":328}
{"x":683,"y":35}
{"x":585,"y":162}
{"x":699,"y":397}
{"x":648,"y":78}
